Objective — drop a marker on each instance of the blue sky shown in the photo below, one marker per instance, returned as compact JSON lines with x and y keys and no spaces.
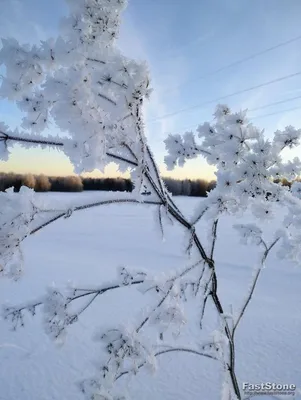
{"x":182,"y":41}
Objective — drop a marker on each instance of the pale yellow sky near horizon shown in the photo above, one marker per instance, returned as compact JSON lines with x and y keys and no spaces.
{"x":175,"y":71}
{"x":55,"y":163}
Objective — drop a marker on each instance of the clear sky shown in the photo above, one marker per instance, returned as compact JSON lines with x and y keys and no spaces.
{"x":182,"y":41}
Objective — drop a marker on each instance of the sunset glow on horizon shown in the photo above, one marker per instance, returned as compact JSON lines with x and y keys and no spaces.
{"x":54,"y":163}
{"x":191,"y":70}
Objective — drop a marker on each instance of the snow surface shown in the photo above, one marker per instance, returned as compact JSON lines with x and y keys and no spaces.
{"x":86,"y":249}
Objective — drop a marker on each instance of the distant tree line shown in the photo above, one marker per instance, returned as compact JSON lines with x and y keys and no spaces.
{"x":43,"y":183}
{"x":188,"y":187}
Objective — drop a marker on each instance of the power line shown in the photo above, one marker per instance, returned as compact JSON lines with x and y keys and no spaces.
{"x":251,"y":118}
{"x":276,"y":112}
{"x":183,"y":110}
{"x":238,"y":62}
{"x":275,"y":103}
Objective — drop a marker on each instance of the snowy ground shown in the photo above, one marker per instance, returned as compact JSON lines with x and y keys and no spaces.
{"x":86,"y":248}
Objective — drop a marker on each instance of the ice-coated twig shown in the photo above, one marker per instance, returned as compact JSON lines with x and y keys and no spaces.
{"x":15,"y":314}
{"x":92,"y":205}
{"x":171,"y":350}
{"x":254,"y":282}
{"x":94,"y":94}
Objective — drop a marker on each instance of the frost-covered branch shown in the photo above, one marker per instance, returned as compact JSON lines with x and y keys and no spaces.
{"x":127,"y":347}
{"x":38,"y":140}
{"x":254,"y":281}
{"x":83,"y":84}
{"x":214,"y":237}
{"x":21,"y":214}
{"x":56,"y":304}
{"x":168,"y":289}
{"x":4,"y":137}
{"x":67,"y":214}
{"x":171,"y":350}
{"x":246,"y":164}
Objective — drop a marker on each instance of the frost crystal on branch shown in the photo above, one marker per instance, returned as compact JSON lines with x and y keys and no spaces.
{"x":181,"y":148}
{"x":249,"y":233}
{"x":289,"y":137}
{"x":56,"y":314}
{"x":94,"y":95}
{"x":127,"y":345}
{"x":127,"y":351}
{"x":17,"y":212}
{"x":81,"y":82}
{"x":246,"y":162}
{"x":170,"y":316}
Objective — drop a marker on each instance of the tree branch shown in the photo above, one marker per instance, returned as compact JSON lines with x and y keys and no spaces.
{"x":7,"y":137}
{"x":174,"y":211}
{"x":214,"y":234}
{"x":199,"y":217}
{"x":120,"y":158}
{"x":172,"y":281}
{"x":42,"y":141}
{"x":172,"y":350}
{"x":92,"y":205}
{"x":213,"y":293}
{"x":17,"y":310}
{"x":253,"y":285}
{"x":179,"y":349}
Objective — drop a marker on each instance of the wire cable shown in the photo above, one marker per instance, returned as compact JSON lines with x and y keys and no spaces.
{"x":194,"y":126}
{"x":235,"y":63}
{"x":276,"y":112}
{"x":268,"y":83}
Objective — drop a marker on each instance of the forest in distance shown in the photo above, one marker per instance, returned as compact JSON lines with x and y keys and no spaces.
{"x":74,"y":183}
{"x":43,"y":183}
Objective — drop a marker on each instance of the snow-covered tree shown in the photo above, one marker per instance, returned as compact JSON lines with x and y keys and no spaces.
{"x":95,"y":95}
{"x":29,"y":181}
